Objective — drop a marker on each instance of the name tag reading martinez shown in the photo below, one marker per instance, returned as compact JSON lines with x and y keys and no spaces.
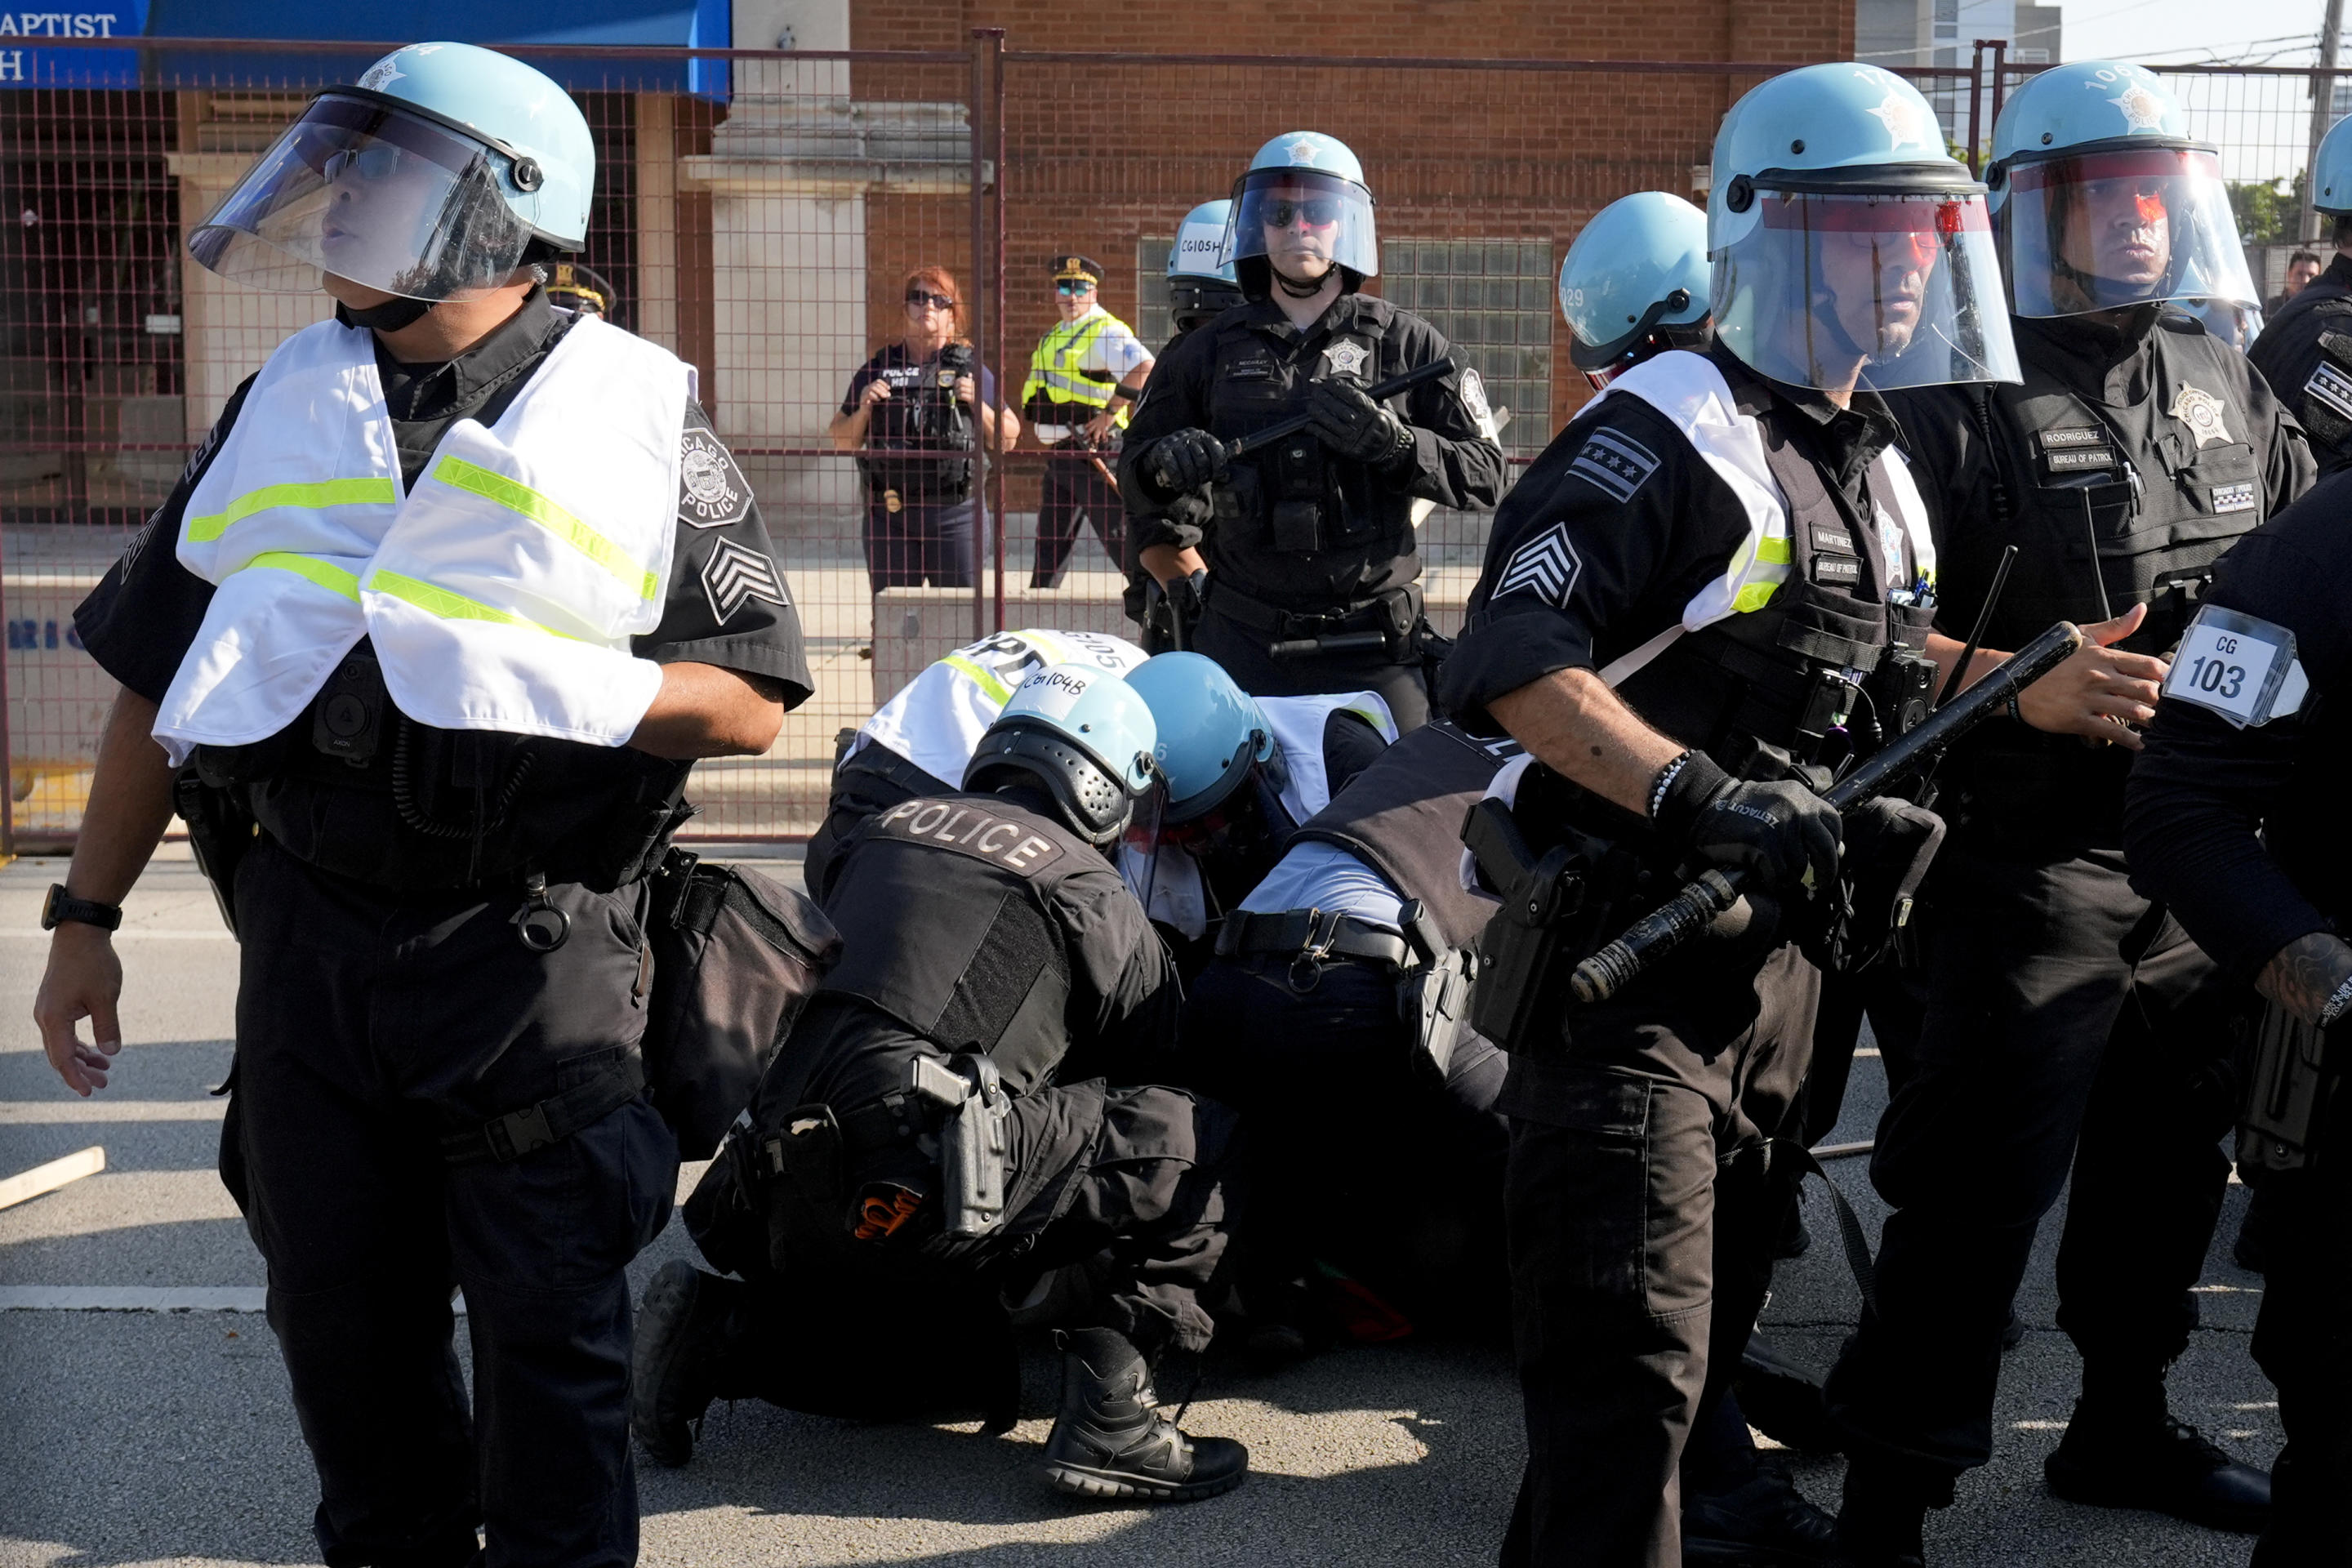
{"x":2237,"y":666}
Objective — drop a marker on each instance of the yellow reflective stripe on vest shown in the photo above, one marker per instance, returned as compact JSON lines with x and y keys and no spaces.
{"x":996,"y":690}
{"x":325,"y":573}
{"x":524,"y":501}
{"x":1772,"y":549}
{"x":446,"y":605}
{"x":308,"y":497}
{"x":1059,"y":385}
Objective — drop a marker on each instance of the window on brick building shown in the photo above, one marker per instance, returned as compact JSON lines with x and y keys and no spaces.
{"x":1151,"y":323}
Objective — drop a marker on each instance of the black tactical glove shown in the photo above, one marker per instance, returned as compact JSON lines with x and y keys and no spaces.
{"x":1355,"y":427}
{"x":1780,"y":834}
{"x":1182,"y":462}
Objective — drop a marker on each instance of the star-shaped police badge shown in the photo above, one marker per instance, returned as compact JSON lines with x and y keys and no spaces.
{"x":2201,"y":412}
{"x":1345,"y":357}
{"x":2142,"y":109}
{"x":1901,"y":118}
{"x":734,"y":573}
{"x":1306,"y":150}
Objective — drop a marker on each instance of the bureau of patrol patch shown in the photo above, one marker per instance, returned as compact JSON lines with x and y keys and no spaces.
{"x":711,"y":490}
{"x":1545,"y":566}
{"x":1615,"y":463}
{"x":2238,"y":496}
{"x":734,"y":573}
{"x":2332,"y":387}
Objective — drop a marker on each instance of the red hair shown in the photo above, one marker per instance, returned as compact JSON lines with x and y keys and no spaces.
{"x":936,"y":281}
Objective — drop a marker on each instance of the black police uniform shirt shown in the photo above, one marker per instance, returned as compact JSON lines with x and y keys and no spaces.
{"x":897,"y":420}
{"x":2318,"y":388}
{"x":1644,"y":523}
{"x":2202,"y":789}
{"x":729,"y":602}
{"x":1249,"y":368}
{"x":2182,"y":449}
{"x":977,"y":909}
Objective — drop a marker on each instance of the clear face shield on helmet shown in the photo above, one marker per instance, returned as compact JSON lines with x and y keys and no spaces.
{"x":1139,"y":844}
{"x":2107,"y":229}
{"x":373,"y":194}
{"x":1902,"y":285}
{"x":1304,"y":222}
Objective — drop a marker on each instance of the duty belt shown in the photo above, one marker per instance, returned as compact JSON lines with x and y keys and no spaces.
{"x":1275,"y":621}
{"x":1309,"y":937}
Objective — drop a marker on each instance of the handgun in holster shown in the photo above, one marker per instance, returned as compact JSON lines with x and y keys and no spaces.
{"x":1556,"y":911}
{"x":221,"y":831}
{"x":974,"y":1137}
{"x":2287,"y":1089}
{"x":1433,"y":996}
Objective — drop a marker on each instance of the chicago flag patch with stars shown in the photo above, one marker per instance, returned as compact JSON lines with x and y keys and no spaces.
{"x":1545,"y":566}
{"x":1614,"y":463}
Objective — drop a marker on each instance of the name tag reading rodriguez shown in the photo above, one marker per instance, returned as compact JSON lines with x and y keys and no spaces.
{"x":2237,"y":666}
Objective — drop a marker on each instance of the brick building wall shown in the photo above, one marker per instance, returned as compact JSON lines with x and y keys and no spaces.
{"x":1105,"y":160}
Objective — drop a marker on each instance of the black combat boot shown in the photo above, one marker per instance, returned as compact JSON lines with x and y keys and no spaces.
{"x":1782,"y":1399}
{"x":684,"y":1344}
{"x":1884,"y":1521}
{"x":1110,"y":1439}
{"x":1763,"y":1522}
{"x":2148,"y":1459}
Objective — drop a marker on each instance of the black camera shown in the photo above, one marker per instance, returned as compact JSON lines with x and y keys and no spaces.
{"x":955,"y":363}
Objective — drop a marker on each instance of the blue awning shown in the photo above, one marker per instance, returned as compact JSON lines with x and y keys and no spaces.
{"x":658,"y":23}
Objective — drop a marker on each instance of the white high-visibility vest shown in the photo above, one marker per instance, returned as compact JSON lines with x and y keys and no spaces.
{"x":500,"y":594}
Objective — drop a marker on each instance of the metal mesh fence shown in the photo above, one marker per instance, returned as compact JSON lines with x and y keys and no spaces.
{"x":760,"y":214}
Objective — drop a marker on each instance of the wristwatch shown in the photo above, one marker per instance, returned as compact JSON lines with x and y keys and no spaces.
{"x":63,"y":906}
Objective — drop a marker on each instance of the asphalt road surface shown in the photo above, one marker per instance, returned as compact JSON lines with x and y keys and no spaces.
{"x":143,"y":1416}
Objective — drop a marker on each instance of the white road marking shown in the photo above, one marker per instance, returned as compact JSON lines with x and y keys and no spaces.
{"x":98,"y":1108}
{"x":36,"y":934}
{"x":140,"y":1299}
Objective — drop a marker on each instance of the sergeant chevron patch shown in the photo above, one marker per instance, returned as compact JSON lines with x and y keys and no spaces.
{"x":734,"y":573}
{"x":1545,"y":566}
{"x":1614,"y":463}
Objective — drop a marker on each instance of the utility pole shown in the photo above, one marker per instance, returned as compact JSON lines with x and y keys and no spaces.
{"x":2323,"y":103}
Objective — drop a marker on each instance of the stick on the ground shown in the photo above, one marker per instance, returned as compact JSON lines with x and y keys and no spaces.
{"x":48,"y":1178}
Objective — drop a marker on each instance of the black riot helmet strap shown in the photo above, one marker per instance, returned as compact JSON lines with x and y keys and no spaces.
{"x":389,"y":317}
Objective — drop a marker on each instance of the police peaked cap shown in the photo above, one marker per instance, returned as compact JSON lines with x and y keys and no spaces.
{"x":1083,"y":268}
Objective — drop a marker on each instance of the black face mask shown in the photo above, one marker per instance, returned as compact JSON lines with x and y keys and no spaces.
{"x":389,"y":317}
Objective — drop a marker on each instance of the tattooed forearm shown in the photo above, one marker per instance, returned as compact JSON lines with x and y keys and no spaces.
{"x":2305,"y":973}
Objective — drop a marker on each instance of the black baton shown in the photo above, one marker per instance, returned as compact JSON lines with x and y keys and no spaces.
{"x":1293,"y":426}
{"x":1690,"y":911}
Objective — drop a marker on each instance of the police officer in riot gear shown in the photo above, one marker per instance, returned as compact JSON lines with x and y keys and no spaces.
{"x":1712,"y":587}
{"x":1201,"y":282}
{"x":1308,"y":543}
{"x":924,"y":735}
{"x":915,"y":1161}
{"x":436,"y":620}
{"x":2234,"y":819}
{"x":2058,"y":1003}
{"x":2304,"y":352}
{"x":1635,"y":284}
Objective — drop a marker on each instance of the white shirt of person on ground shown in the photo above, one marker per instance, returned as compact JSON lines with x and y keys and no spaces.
{"x":1114,"y":351}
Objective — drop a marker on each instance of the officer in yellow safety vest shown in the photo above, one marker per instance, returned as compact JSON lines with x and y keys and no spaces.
{"x":1084,"y":376}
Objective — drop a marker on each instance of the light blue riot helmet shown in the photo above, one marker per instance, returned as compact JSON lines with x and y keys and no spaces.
{"x":1301,"y":208}
{"x":2105,"y":201}
{"x":1636,"y":282}
{"x":1201,"y":282}
{"x":1082,"y":732}
{"x":1210,"y":731}
{"x":1846,"y":240}
{"x":2331,"y":172}
{"x":443,"y":170}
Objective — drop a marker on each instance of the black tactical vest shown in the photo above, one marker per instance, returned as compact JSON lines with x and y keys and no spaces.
{"x":1402,"y":816}
{"x":1295,"y":524}
{"x":946,"y":909}
{"x":2160,"y":489}
{"x":1780,"y":676}
{"x":2305,"y":354}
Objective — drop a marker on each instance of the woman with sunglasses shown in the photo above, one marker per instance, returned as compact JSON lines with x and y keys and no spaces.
{"x":1307,"y":545}
{"x":918,"y":395}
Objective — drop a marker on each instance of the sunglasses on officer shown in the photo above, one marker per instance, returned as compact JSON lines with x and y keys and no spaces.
{"x":375,"y":160}
{"x":1317,"y":212}
{"x":925,"y":297}
{"x":1074,"y":286}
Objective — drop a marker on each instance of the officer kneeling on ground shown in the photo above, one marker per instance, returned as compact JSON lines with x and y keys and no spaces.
{"x":436,"y":621}
{"x":2233,"y":817}
{"x":1712,"y":586}
{"x":1307,"y":543}
{"x":913,"y":1165}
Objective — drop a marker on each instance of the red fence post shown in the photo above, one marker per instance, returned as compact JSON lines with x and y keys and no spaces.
{"x":1976,"y":102}
{"x":1999,"y":77}
{"x":975,"y":125}
{"x":996,"y":122}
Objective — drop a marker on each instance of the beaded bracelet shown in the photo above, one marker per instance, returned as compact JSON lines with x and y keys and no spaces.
{"x":1666,"y":778}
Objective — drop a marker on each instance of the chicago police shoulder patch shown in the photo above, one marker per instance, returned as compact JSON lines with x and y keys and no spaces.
{"x":1545,"y":566}
{"x":711,"y":490}
{"x":732,"y":573}
{"x":1614,"y":463}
